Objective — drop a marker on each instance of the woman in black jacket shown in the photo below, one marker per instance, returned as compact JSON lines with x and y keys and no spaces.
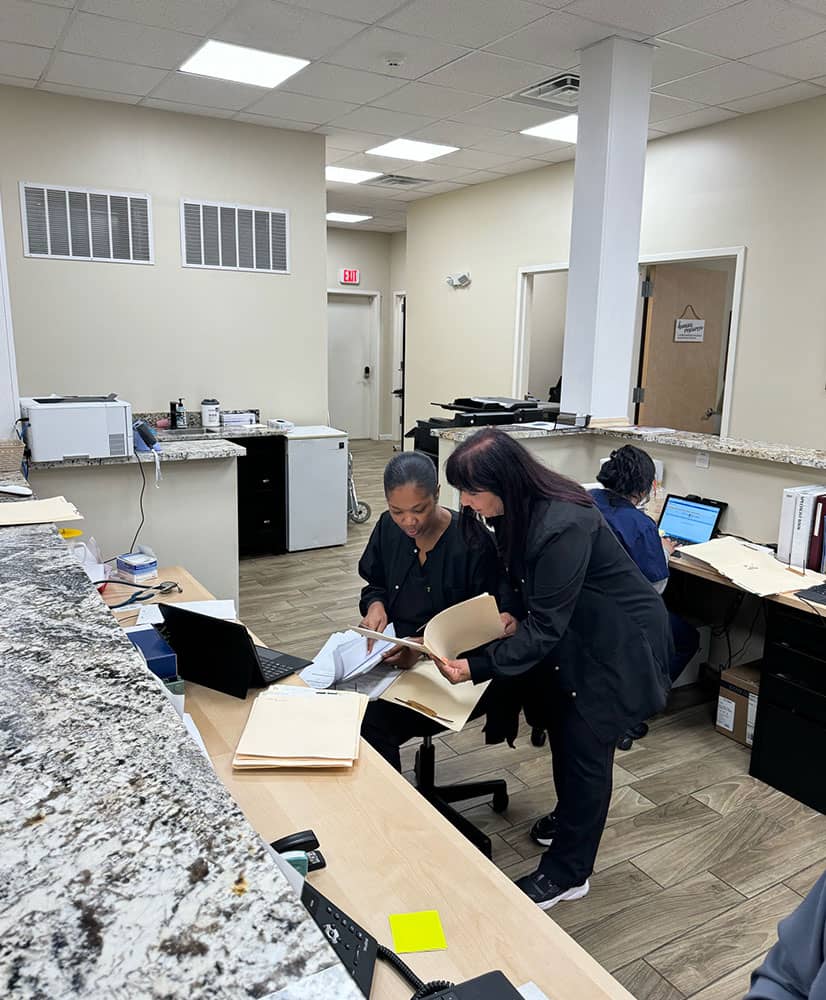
{"x":417,"y":563}
{"x":593,"y":645}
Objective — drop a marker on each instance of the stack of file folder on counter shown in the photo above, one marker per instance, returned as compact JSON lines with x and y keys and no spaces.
{"x":300,"y":727}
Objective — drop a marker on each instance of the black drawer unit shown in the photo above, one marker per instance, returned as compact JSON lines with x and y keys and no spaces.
{"x":790,"y":728}
{"x":262,"y":496}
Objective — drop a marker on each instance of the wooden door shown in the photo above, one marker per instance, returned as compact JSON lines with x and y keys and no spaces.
{"x":681,"y":379}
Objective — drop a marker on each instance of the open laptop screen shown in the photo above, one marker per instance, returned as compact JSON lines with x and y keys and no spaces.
{"x":688,"y":520}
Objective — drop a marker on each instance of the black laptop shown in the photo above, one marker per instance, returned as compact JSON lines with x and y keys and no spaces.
{"x":221,"y":654}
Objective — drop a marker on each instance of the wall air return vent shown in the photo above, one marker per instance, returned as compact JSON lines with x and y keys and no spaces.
{"x":84,"y":224}
{"x":561,"y":93}
{"x":229,"y":237}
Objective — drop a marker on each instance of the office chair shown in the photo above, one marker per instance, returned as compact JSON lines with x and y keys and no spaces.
{"x":440,"y":796}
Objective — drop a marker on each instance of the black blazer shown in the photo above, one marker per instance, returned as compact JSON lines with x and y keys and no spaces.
{"x":593,"y":629}
{"x":466,"y":571}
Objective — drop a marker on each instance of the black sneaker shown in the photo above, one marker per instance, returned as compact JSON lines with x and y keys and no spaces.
{"x":638,"y":732}
{"x":625,"y":742}
{"x":546,"y":893}
{"x":543,"y":830}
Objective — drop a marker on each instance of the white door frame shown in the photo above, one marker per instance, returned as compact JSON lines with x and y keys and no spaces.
{"x":524,"y":297}
{"x":395,"y":365}
{"x":9,"y":389}
{"x":375,"y":350}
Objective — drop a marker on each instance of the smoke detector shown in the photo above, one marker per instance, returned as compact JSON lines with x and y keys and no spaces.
{"x":394,"y":60}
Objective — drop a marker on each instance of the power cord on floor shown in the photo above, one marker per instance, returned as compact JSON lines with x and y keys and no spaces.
{"x":422,"y":988}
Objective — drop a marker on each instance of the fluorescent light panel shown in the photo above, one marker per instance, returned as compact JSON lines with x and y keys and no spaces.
{"x":561,"y":129}
{"x":346,"y":217}
{"x":410,"y":149}
{"x":344,"y":175}
{"x":242,"y":65}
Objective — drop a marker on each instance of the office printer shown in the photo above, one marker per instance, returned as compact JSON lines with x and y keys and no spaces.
{"x":57,"y":428}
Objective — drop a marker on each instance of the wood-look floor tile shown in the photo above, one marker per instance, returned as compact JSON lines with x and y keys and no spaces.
{"x":611,"y":891}
{"x":722,"y":945}
{"x":777,"y":858}
{"x":671,"y":748}
{"x":484,"y":760}
{"x":408,"y":752}
{"x":625,"y":840}
{"x":646,"y":983}
{"x":523,"y":867}
{"x":639,"y":929}
{"x":744,"y":792}
{"x":503,"y":853}
{"x":803,"y":881}
{"x":684,"y":779}
{"x":534,"y":772}
{"x":703,"y":850}
{"x":734,"y":986}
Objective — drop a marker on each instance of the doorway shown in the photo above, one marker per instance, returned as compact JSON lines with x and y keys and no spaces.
{"x":546,"y":331}
{"x":352,"y":362}
{"x":397,"y":390}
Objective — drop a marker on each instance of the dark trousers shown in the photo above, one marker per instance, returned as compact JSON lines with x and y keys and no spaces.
{"x":686,"y":643}
{"x":387,"y":726}
{"x":582,"y":769}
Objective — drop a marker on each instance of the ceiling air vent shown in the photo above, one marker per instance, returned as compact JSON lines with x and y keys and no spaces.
{"x":396,"y":181}
{"x":560,"y":92}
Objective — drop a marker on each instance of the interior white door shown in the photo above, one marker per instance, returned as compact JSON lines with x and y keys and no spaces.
{"x":349,"y":363}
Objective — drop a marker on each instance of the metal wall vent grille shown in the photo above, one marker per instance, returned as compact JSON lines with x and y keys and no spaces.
{"x":231,"y":237}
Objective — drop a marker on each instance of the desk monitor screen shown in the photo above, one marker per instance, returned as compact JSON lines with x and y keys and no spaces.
{"x":689,"y":521}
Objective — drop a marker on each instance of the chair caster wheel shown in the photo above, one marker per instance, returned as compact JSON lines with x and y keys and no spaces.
{"x":538,"y":737}
{"x":500,"y":802}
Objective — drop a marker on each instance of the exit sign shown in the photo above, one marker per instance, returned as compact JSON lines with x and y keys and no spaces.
{"x":349,"y":276}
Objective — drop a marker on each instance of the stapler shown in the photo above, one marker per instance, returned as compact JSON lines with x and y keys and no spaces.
{"x":298,"y":848}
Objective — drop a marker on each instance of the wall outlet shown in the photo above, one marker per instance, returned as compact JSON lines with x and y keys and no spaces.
{"x":702,"y":460}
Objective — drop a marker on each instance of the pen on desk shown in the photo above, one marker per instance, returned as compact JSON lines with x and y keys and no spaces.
{"x":423,"y":708}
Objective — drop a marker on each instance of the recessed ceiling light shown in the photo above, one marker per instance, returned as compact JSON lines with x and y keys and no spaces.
{"x":410,"y":149}
{"x":346,"y":217}
{"x":344,"y":175}
{"x":242,"y":65}
{"x":561,"y":129}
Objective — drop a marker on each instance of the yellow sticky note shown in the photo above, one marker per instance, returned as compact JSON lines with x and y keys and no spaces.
{"x":417,"y":931}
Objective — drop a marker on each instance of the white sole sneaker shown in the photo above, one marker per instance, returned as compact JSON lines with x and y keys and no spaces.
{"x":575,"y":892}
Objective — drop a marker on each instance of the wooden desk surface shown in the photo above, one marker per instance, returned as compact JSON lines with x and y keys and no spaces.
{"x":388,"y":851}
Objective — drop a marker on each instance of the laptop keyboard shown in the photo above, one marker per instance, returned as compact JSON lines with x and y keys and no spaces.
{"x":273,"y":667}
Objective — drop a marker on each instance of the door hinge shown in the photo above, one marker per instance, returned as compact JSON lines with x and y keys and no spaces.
{"x":647,"y":288}
{"x":638,"y":395}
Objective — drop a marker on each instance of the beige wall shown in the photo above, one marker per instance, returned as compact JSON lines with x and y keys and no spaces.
{"x":153,"y":333}
{"x":756,"y":181}
{"x":398,"y":261}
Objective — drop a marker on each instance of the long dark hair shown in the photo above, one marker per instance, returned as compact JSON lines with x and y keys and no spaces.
{"x":492,"y":461}
{"x":628,"y":472}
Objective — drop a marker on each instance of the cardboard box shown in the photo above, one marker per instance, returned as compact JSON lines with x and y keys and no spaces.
{"x":737,"y":702}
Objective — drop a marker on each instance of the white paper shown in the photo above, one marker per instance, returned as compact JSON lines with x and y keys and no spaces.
{"x":725,"y":713}
{"x":374,"y":683}
{"x":530,"y":991}
{"x":343,"y":658}
{"x":689,"y":331}
{"x":150,"y":614}
{"x":752,"y":714}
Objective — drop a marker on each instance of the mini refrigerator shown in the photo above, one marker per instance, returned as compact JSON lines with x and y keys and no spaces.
{"x":316,"y":488}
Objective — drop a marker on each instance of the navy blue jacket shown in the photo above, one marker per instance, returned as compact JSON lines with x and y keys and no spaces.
{"x":636,"y":531}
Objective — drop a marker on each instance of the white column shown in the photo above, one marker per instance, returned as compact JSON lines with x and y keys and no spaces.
{"x":605,"y":230}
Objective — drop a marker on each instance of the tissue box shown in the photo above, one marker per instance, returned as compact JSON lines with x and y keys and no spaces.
{"x":137,"y":567}
{"x":157,"y":652}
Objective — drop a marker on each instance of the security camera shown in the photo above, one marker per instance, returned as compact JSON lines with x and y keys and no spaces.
{"x":459,"y":280}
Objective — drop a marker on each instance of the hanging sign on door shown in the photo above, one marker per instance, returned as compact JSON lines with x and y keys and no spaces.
{"x":689,"y":331}
{"x":349,"y":276}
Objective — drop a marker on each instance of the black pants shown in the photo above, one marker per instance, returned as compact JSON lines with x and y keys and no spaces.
{"x":686,"y":643}
{"x":582,"y":769}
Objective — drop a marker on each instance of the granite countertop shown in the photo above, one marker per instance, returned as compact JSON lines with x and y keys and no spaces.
{"x":764,"y":451}
{"x":126,"y":870}
{"x":171,"y":451}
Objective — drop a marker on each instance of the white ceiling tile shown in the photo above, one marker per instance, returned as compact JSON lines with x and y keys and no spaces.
{"x":343,"y":138}
{"x":466,"y":22}
{"x":368,"y":11}
{"x":186,"y":109}
{"x":452,"y":133}
{"x":415,"y":195}
{"x":662,"y":107}
{"x":269,"y":122}
{"x":444,"y":187}
{"x":518,"y":145}
{"x":280,"y":104}
{"x":776,"y":98}
{"x":370,"y":119}
{"x":725,"y":83}
{"x":17,"y":81}
{"x":386,"y":164}
{"x":290,"y":31}
{"x":521,"y":166}
{"x":475,"y":159}
{"x":57,"y":3}
{"x":436,"y":172}
{"x":672,"y":62}
{"x":208,"y":93}
{"x":481,"y":177}
{"x":26,"y":61}
{"x":697,"y":119}
{"x":323,"y":80}
{"x":805,"y":59}
{"x":334,"y":155}
{"x":103,"y":74}
{"x":425,"y":99}
{"x":556,"y":40}
{"x":88,"y":92}
{"x":31,"y":23}
{"x":91,"y":35}
{"x":654,"y":133}
{"x":556,"y":155}
{"x":649,"y":17}
{"x":506,"y":115}
{"x":179,"y":15}
{"x":490,"y":74}
{"x":816,"y":5}
{"x":419,"y":55}
{"x":749,"y":27}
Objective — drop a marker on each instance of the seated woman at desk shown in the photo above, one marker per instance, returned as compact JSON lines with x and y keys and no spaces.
{"x":628,"y":478}
{"x":417,"y":563}
{"x":593,"y":644}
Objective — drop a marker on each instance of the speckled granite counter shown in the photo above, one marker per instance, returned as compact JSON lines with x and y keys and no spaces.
{"x":171,"y":451}
{"x":125,"y":869}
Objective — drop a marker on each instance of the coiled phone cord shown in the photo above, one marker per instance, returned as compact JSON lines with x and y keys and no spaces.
{"x":422,"y":988}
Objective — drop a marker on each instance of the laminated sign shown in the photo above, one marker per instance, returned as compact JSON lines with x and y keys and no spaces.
{"x":689,"y":331}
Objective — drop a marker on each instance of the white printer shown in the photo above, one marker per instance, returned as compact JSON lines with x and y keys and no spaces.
{"x":63,"y":427}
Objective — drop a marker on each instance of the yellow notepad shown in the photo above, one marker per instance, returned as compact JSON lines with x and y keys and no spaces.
{"x":420,"y":931}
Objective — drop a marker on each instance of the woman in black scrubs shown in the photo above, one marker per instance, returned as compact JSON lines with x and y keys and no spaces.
{"x":593,"y":644}
{"x":418,"y":562}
